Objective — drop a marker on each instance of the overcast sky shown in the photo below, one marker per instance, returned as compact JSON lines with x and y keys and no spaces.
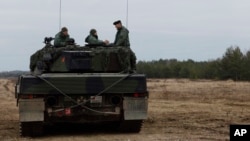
{"x":200,"y":30}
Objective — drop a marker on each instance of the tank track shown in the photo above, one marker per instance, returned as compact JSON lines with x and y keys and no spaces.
{"x":31,"y":129}
{"x":131,"y":126}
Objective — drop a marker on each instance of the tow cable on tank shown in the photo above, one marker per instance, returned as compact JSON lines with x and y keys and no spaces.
{"x":82,"y":103}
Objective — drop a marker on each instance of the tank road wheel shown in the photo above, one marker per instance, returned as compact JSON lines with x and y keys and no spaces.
{"x":131,"y":126}
{"x":32,"y":129}
{"x":24,"y":129}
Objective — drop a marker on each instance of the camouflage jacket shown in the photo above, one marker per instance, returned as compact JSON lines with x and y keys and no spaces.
{"x":122,"y":38}
{"x":93,"y":40}
{"x":60,"y":40}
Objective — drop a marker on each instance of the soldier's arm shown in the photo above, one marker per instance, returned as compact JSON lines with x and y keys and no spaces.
{"x":57,"y":41}
{"x":93,"y":40}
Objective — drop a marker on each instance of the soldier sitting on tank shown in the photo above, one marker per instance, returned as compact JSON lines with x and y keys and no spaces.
{"x":62,"y":38}
{"x":92,"y":39}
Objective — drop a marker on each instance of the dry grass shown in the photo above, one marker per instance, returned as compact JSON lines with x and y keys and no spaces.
{"x":179,"y":109}
{"x":198,"y":110}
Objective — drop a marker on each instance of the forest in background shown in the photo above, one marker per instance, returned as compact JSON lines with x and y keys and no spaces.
{"x":234,"y":64}
{"x":15,"y":73}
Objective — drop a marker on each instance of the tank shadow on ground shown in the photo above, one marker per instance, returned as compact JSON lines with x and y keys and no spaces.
{"x":81,"y":129}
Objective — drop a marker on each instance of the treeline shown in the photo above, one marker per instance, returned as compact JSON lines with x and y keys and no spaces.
{"x":7,"y":74}
{"x":232,"y":65}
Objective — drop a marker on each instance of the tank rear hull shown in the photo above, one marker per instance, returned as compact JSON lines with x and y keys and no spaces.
{"x":82,"y":83}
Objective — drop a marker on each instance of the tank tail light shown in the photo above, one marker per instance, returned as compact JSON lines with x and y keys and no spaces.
{"x":139,"y":95}
{"x":63,"y":59}
{"x":27,"y":96}
{"x":67,"y":111}
{"x":63,"y":112}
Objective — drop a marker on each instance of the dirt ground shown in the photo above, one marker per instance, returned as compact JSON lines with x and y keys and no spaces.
{"x":179,"y":110}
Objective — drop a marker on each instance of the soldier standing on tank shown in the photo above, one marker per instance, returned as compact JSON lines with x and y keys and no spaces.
{"x":61,"y":38}
{"x":122,"y":39}
{"x":92,"y":39}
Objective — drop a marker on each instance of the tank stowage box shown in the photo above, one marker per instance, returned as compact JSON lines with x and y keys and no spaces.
{"x":82,"y":85}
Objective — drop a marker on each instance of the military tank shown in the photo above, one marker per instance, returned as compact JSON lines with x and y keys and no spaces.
{"x":81,"y":84}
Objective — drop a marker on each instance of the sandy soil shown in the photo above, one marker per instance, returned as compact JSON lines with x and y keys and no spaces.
{"x":179,"y":110}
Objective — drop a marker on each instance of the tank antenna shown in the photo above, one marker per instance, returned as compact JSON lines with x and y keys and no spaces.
{"x":60,"y":15}
{"x":127,"y":16}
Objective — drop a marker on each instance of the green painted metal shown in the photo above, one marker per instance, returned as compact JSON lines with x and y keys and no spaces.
{"x":90,"y":83}
{"x":74,"y":58}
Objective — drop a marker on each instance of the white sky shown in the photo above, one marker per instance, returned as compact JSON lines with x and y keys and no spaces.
{"x":200,"y":30}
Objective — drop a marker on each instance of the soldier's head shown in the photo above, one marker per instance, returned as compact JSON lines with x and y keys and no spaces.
{"x":93,"y":32}
{"x":64,"y":31}
{"x":117,"y":24}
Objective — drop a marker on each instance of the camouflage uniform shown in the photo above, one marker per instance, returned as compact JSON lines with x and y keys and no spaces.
{"x":122,"y":38}
{"x":60,"y":40}
{"x":92,"y":39}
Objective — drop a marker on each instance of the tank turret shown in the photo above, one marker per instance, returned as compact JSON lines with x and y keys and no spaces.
{"x":74,"y":58}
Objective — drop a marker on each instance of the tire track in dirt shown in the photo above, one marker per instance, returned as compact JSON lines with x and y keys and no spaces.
{"x":8,"y":111}
{"x":6,"y":86}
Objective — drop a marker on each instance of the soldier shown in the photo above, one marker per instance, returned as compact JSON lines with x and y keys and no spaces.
{"x":61,"y":38}
{"x":121,"y":38}
{"x":92,"y":39}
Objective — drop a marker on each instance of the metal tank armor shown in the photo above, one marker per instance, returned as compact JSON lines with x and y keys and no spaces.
{"x":84,"y":85}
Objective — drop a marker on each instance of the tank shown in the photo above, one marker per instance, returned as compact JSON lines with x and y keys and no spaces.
{"x":81,"y":84}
